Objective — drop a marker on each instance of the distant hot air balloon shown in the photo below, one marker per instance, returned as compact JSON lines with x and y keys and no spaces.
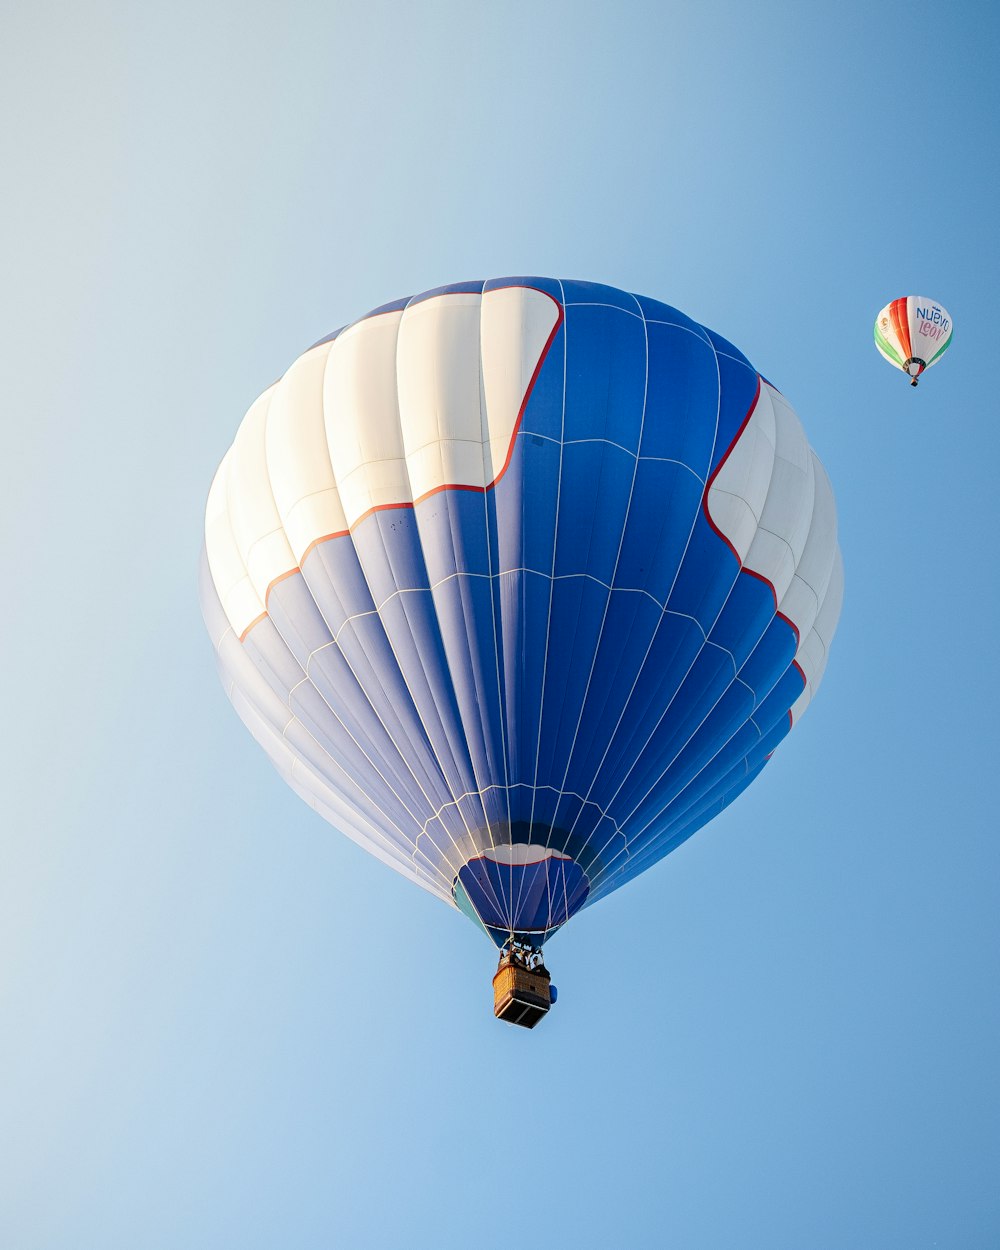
{"x":519,"y":583}
{"x":913,"y":333}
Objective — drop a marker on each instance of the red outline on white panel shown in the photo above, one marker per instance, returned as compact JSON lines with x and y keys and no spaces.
{"x":743,"y":568}
{"x":805,"y":683}
{"x":385,"y":507}
{"x":718,"y":469}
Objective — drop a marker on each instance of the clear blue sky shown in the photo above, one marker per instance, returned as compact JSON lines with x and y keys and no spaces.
{"x":785,"y":1035}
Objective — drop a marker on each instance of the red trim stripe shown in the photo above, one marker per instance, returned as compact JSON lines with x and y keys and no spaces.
{"x":256,"y":621}
{"x":385,"y":507}
{"x":774,"y":595}
{"x":801,"y":671}
{"x":743,"y":568}
{"x":718,"y":469}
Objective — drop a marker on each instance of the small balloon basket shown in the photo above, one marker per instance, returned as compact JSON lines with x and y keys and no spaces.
{"x":522,"y":988}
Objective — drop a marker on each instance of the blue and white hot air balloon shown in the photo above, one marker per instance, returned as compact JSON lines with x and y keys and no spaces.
{"x":519,"y":583}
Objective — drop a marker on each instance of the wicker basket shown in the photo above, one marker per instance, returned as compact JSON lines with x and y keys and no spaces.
{"x":521,"y":995}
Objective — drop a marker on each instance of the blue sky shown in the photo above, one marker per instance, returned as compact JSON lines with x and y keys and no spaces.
{"x":782,"y":1036}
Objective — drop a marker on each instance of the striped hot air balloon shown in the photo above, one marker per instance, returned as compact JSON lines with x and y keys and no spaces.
{"x":913,"y":333}
{"x":519,"y":583}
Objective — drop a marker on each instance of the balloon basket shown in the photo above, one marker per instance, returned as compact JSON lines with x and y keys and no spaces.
{"x":521,"y":994}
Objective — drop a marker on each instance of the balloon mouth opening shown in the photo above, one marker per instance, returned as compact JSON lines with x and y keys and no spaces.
{"x":915,"y":366}
{"x":520,"y":892}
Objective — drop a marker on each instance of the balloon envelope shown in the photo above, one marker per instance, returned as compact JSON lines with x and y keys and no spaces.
{"x":913,"y":333}
{"x":518,"y":583}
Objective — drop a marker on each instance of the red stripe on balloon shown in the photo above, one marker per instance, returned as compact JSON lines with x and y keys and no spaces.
{"x":901,"y":324}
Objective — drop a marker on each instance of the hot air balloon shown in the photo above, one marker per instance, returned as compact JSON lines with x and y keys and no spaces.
{"x":519,"y":583}
{"x":913,"y":333}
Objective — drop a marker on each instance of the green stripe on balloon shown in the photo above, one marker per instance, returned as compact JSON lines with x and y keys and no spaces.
{"x":889,"y":350}
{"x":942,"y":348}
